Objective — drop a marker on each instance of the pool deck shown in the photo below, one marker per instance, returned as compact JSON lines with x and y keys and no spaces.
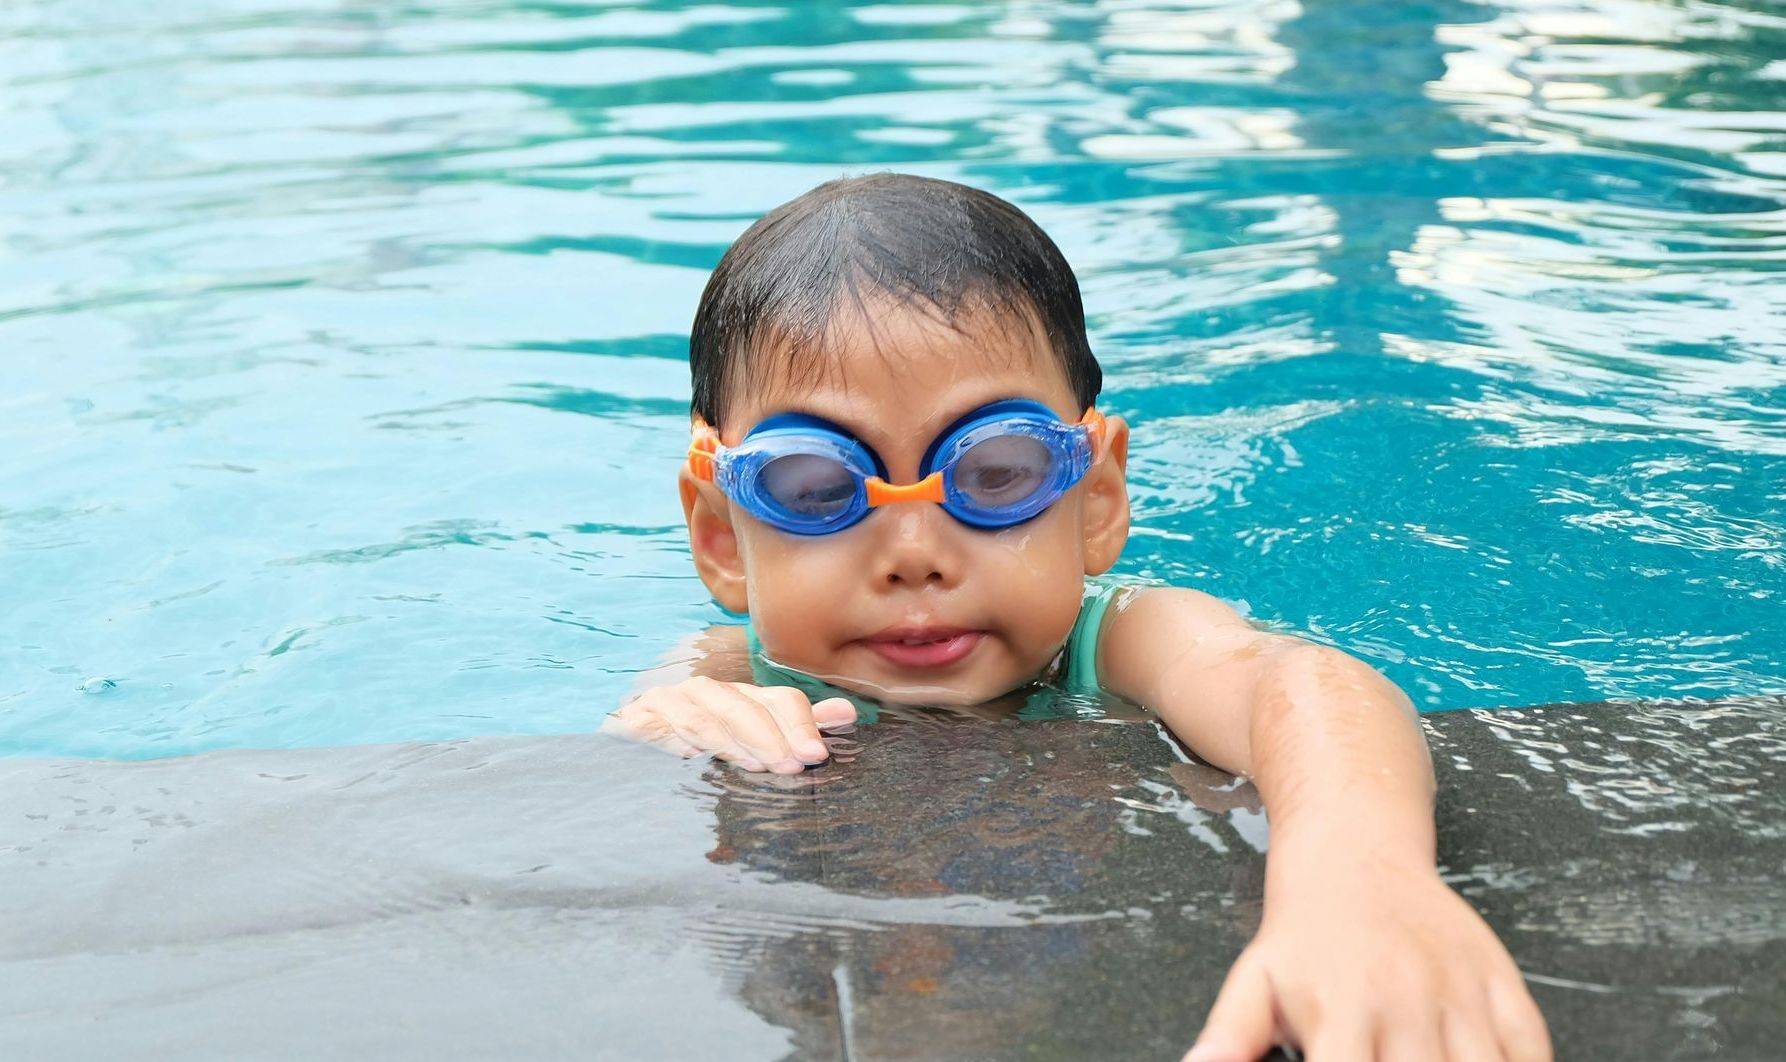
{"x":956,"y":889}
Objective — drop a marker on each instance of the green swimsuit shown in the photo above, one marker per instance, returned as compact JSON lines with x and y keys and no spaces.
{"x":1074,"y":671}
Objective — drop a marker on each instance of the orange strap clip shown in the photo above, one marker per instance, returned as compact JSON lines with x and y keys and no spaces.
{"x":701,"y":450}
{"x":1095,"y":422}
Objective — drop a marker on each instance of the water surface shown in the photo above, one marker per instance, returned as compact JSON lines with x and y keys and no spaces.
{"x":346,"y":345}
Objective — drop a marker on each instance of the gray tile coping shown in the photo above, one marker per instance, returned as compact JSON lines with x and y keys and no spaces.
{"x":948,"y":888}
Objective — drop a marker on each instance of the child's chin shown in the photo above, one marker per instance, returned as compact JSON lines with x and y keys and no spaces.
{"x":937,"y":698}
{"x":958,"y":694}
{"x":910,"y":696}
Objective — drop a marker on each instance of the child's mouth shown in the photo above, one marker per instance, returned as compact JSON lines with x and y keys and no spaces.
{"x":924,"y":648}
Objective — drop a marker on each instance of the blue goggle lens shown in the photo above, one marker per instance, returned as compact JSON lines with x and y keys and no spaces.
{"x":808,"y":486}
{"x":1004,"y":471}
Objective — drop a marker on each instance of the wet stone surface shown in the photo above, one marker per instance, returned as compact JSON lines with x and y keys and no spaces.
{"x":949,"y":888}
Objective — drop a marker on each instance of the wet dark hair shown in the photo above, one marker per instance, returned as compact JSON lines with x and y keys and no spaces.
{"x":935,"y":245}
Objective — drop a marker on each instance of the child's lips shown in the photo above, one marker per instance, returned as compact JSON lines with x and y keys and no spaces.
{"x":924,"y":647}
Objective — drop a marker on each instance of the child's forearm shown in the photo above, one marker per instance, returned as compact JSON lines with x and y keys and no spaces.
{"x":1338,"y":757}
{"x":1363,"y":952}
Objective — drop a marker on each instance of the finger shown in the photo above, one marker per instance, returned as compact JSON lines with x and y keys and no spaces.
{"x":1412,"y":1037}
{"x":1241,"y":1025}
{"x":625,"y":722}
{"x":792,"y":712}
{"x":1468,"y":1035}
{"x":672,"y":744}
{"x":834,"y":711}
{"x":749,"y":727}
{"x":1345,"y":1038}
{"x":1518,"y":1023}
{"x":703,"y":731}
{"x":638,"y":720}
{"x":694,"y":712}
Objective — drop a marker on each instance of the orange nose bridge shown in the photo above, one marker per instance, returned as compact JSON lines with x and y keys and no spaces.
{"x":880,"y":492}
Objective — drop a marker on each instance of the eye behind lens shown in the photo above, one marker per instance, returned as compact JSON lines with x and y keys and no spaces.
{"x":808,"y":486}
{"x":1004,"y":471}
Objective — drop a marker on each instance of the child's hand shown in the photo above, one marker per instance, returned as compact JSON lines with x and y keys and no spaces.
{"x":1379,"y":962}
{"x":759,"y":728}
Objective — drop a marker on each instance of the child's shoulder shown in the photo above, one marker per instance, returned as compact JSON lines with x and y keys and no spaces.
{"x":1137,"y":607}
{"x":1146,"y":627}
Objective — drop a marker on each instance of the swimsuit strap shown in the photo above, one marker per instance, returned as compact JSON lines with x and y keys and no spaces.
{"x":1082,"y":644}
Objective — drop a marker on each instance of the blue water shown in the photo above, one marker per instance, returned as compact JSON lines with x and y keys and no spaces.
{"x":343,"y":345}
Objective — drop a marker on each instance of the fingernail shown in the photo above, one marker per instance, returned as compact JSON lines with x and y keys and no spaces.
{"x":789,"y":766}
{"x":1207,"y":1053}
{"x":813,"y":751}
{"x":836,"y":709}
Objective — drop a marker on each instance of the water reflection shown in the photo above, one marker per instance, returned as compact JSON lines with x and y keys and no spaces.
{"x":1034,"y":819}
{"x":961,"y":887}
{"x":1444,"y":328}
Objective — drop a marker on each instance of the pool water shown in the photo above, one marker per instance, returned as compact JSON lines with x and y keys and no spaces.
{"x":345,"y":345}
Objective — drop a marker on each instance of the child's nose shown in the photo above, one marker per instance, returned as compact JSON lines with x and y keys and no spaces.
{"x":918,"y":547}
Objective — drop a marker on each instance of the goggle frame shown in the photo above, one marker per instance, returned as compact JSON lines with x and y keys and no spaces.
{"x":737,"y":471}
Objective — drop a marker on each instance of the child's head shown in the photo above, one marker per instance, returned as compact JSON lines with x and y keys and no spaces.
{"x":890,"y":306}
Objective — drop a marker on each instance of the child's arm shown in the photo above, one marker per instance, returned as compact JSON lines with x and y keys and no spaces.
{"x":702,"y":701}
{"x":1363,"y":951}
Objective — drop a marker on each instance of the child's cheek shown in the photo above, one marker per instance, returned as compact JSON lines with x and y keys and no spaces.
{"x":780,"y":564}
{"x":1043,"y":581}
{"x":794,"y":586}
{"x":1047,"y":550}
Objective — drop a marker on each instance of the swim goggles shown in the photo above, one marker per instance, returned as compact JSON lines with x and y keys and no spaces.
{"x":996,"y":467}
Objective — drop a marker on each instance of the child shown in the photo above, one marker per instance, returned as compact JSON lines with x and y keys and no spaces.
{"x":899,"y":473}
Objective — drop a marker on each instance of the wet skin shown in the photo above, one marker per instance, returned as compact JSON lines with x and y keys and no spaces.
{"x":1363,"y":951}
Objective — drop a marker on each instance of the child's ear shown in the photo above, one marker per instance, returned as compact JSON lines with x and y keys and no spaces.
{"x":713,"y":542}
{"x":1106,"y":499}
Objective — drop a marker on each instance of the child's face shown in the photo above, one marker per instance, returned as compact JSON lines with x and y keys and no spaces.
{"x":846,"y":606}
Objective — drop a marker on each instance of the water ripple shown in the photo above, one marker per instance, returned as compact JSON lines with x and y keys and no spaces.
{"x":1448,"y":332}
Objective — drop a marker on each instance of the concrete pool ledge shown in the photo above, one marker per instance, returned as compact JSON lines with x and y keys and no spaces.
{"x":950,"y":888}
